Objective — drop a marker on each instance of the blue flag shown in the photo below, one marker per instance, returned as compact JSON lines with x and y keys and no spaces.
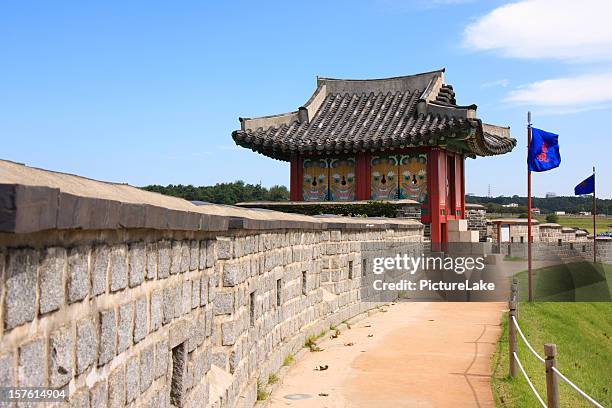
{"x":543,"y":151}
{"x":587,"y":186}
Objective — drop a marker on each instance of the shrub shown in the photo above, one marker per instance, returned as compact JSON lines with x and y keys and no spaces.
{"x":552,"y":218}
{"x":366,"y":209}
{"x":262,"y":394}
{"x":310,"y":341}
{"x":288,"y":360}
{"x":272,"y":379}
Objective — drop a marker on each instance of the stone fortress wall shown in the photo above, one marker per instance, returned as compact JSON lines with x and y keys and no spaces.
{"x":552,"y":242}
{"x":476,"y":215}
{"x":131,"y":298}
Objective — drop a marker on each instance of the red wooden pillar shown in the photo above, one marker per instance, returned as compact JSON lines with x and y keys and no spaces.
{"x":457,"y":210}
{"x":437,"y":196}
{"x":451,"y":186}
{"x":362,"y":176}
{"x":295,"y":184}
{"x":444,"y":194}
{"x":462,"y":181}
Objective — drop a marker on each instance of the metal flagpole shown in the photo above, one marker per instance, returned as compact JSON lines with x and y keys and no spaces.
{"x":594,"y":213}
{"x":529,"y":207}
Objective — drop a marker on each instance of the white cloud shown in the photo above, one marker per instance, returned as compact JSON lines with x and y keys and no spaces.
{"x":534,"y":29}
{"x":491,"y":84}
{"x":572,"y":94}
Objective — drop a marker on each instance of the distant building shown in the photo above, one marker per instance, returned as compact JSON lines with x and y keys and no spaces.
{"x":535,"y":211}
{"x":559,"y":212}
{"x":584,"y":213}
{"x":551,"y":194}
{"x":511,"y":205}
{"x":470,"y":194}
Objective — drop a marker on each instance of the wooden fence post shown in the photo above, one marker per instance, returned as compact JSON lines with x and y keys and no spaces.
{"x":514,"y":295}
{"x":552,"y":386}
{"x":512,"y":341}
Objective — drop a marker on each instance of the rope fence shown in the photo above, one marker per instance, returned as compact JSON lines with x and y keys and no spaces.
{"x":529,"y":381}
{"x":520,"y":332}
{"x":550,"y":350}
{"x":578,"y":390}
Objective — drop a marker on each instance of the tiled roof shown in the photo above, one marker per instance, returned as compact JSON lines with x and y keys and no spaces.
{"x":347,"y":116}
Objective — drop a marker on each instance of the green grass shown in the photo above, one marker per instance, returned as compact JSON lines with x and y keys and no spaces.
{"x":573,"y":282}
{"x":288,"y":360}
{"x":262,"y":394}
{"x":583,"y":335}
{"x":311,"y":341}
{"x":272,"y":379}
{"x":585,"y":222}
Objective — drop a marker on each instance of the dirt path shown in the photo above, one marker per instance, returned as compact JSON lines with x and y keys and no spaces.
{"x":420,"y":354}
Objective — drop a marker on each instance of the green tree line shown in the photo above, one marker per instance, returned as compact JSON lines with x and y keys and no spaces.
{"x":223,"y":193}
{"x":239,"y":191}
{"x":569,"y":204}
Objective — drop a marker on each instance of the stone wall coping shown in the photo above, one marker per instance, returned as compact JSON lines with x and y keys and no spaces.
{"x":33,"y":199}
{"x":472,"y":206}
{"x":550,"y":225}
{"x":515,"y":221}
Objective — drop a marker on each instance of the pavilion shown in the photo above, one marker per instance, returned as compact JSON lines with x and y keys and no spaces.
{"x":379,"y":139}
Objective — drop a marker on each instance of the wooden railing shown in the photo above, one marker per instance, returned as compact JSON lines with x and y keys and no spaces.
{"x":549,"y":361}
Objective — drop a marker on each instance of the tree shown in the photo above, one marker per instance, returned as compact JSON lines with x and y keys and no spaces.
{"x":569,"y":204}
{"x":223,"y":193}
{"x":278,"y":193}
{"x":552,"y":218}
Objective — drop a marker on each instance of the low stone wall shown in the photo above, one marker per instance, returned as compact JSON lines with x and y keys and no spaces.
{"x":477,"y":220}
{"x":518,"y":230}
{"x":157,"y":305}
{"x":550,"y":232}
{"x":545,"y":233}
{"x":582,"y":236}
{"x":568,"y":234}
{"x":575,"y":251}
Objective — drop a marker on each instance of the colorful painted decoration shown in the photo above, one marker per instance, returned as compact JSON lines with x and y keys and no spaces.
{"x":392,"y":177}
{"x":413,"y":177}
{"x":384,"y":183}
{"x":314,"y":184}
{"x":342,"y":179}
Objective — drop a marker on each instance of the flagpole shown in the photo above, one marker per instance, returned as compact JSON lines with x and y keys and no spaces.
{"x":529,"y":208}
{"x":594,"y":227}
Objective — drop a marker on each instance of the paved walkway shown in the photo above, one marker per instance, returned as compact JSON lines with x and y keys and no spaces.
{"x":419,"y":354}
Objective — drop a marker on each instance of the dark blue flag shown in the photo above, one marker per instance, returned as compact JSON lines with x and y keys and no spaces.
{"x":543,"y":151}
{"x":587,"y":186}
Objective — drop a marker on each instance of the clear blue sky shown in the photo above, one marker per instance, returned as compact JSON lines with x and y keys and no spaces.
{"x":149,"y":92}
